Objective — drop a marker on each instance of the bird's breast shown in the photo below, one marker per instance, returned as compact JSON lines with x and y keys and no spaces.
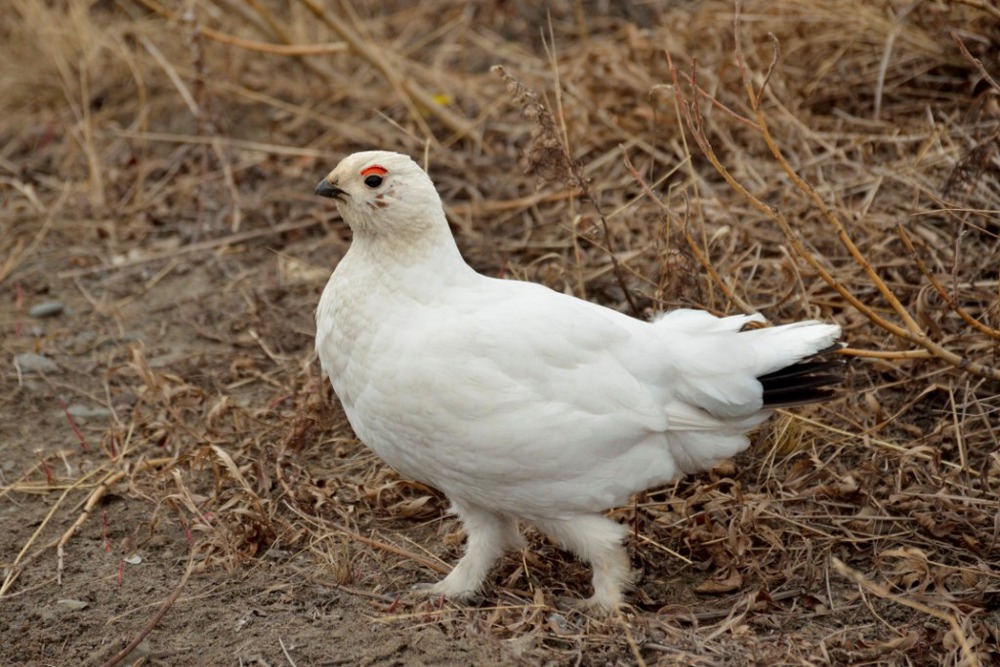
{"x":361,"y":335}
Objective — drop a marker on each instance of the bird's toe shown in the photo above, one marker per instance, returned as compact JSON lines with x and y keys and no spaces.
{"x":592,"y":607}
{"x":441,"y":590}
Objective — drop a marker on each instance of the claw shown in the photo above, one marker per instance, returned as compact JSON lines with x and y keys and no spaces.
{"x":437,"y":590}
{"x":591,"y":607}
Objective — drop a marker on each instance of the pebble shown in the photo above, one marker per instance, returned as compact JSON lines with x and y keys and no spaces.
{"x":29,"y":362}
{"x":74,"y":605}
{"x":558,"y":622}
{"x":47,"y":309}
{"x":80,"y":342}
{"x":85,"y":412}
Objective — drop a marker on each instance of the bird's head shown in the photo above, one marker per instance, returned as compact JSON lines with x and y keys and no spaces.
{"x":382,"y":194}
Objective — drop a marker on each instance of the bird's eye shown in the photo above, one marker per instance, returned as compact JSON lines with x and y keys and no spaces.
{"x":373,"y":181}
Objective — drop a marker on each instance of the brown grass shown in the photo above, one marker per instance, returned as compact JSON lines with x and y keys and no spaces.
{"x":825,"y":159}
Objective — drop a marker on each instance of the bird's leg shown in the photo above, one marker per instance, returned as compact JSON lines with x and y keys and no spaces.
{"x":597,"y":540}
{"x":489,"y":536}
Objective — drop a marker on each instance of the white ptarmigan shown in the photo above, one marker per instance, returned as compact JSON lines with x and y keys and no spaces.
{"x":523,"y":404}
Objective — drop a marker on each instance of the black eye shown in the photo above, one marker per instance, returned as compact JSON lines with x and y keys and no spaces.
{"x":373,"y":180}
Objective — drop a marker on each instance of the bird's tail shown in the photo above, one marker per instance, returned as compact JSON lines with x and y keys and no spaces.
{"x":811,"y":380}
{"x":728,"y":377}
{"x":731,"y":369}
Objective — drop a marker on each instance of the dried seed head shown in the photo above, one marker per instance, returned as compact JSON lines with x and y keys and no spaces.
{"x":546,"y":154}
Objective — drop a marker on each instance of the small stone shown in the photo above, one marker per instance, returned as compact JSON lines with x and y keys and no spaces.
{"x":29,"y":362}
{"x":85,"y":412}
{"x":558,"y":623}
{"x":47,"y":309}
{"x":81,"y":342}
{"x":73,"y":605}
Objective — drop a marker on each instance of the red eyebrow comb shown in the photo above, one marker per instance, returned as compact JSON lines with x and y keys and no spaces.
{"x":374,"y":169}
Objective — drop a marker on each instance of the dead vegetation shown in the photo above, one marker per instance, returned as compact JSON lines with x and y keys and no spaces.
{"x":813,"y":159}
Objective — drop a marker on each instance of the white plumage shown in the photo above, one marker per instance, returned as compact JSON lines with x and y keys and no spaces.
{"x":521,"y":403}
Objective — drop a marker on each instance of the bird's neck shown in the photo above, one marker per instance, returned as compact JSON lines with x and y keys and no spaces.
{"x":431,"y":255}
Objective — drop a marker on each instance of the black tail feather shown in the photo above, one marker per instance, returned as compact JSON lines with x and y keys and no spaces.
{"x":810,"y":381}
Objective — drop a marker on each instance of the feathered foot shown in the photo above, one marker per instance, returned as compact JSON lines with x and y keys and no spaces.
{"x":598,"y":541}
{"x":490,"y":535}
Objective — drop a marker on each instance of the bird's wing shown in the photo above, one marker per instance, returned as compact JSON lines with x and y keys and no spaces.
{"x":525,"y":377}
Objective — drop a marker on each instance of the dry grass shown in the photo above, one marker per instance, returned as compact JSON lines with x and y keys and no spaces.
{"x":824,"y":160}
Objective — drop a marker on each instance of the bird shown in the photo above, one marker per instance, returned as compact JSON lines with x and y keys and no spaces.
{"x":524,"y":405}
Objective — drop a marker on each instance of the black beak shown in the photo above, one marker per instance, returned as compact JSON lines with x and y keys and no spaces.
{"x":326,"y":189}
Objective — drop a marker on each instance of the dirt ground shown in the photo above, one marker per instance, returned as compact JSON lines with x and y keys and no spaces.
{"x":178,"y":484}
